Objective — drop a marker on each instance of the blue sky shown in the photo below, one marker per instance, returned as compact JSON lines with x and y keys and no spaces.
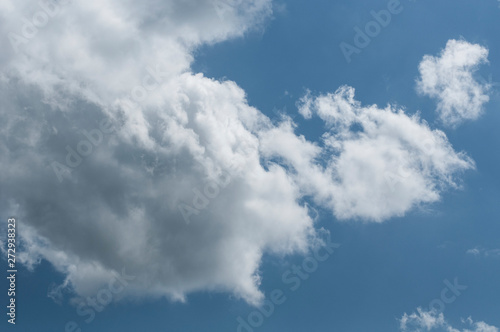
{"x":385,"y":268}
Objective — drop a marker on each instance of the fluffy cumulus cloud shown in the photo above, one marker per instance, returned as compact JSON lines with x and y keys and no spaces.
{"x":449,"y":78}
{"x":115,"y":155}
{"x":379,"y":162}
{"x":432,"y":321}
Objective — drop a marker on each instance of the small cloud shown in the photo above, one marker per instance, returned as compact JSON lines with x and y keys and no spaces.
{"x":449,"y":78}
{"x":433,"y":321}
{"x":482,"y":252}
{"x":445,"y":245}
{"x":55,"y":292}
{"x":474,"y":252}
{"x":493,"y":253}
{"x":279,"y":8}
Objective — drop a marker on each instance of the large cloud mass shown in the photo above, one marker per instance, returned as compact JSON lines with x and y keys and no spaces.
{"x":114,"y":154}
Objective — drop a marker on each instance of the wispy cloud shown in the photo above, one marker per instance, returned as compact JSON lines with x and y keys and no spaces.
{"x":482,"y":252}
{"x":432,"y":321}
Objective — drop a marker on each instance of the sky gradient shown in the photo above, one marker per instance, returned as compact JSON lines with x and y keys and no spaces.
{"x":223,"y":166}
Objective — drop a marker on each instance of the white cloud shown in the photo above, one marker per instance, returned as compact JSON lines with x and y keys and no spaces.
{"x":482,"y":252}
{"x":119,"y":208}
{"x":174,"y":132}
{"x":382,"y":162}
{"x":421,"y":320}
{"x":432,"y":321}
{"x":449,"y":78}
{"x":474,"y":251}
